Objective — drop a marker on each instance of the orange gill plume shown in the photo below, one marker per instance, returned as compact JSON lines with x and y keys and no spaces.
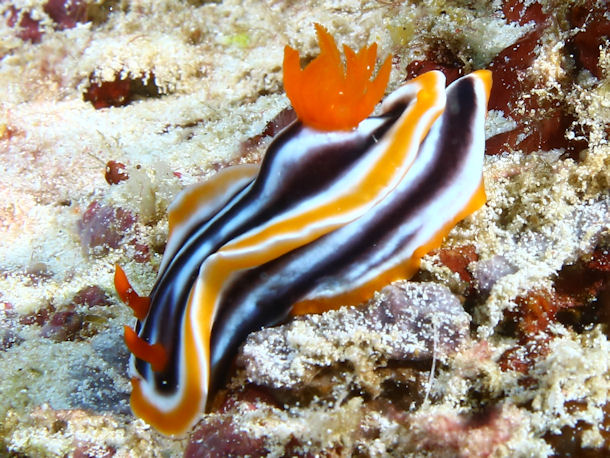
{"x":327,"y":95}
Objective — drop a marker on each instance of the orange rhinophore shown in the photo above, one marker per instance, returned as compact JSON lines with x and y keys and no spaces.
{"x":154,"y":354}
{"x":139,"y":304}
{"x":327,"y":95}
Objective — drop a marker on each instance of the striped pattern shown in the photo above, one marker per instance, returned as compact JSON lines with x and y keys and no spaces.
{"x":327,"y":219}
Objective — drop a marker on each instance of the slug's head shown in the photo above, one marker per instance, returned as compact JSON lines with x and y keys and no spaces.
{"x":328,"y":95}
{"x":172,"y":408}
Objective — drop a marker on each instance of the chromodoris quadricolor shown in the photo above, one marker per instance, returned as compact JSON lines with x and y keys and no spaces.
{"x":340,"y":206}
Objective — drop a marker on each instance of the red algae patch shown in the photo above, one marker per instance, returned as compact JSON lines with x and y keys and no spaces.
{"x":67,"y":13}
{"x":27,"y":28}
{"x":115,"y":172}
{"x":543,"y":117}
{"x":221,"y":438}
{"x":591,"y":18}
{"x":63,"y":325}
{"x":119,"y":91}
{"x":102,"y":227}
{"x":106,"y":94}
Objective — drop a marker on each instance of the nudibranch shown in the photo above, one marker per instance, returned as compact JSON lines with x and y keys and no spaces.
{"x":341,"y":205}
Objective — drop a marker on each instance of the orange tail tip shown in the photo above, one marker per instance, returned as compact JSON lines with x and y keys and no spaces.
{"x":486,"y":78}
{"x":327,"y":95}
{"x":139,"y":304}
{"x":154,"y":354}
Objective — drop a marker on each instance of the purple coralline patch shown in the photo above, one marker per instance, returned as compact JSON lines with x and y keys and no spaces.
{"x":220,"y":438}
{"x":63,"y":325}
{"x":102,"y":227}
{"x":8,"y":338}
{"x":91,"y":296}
{"x":28,"y":29}
{"x":40,"y":317}
{"x":451,"y":435}
{"x":405,"y":322}
{"x":8,"y":334}
{"x":487,"y":272}
{"x":273,"y":127}
{"x":91,"y":450}
{"x":66,"y":13}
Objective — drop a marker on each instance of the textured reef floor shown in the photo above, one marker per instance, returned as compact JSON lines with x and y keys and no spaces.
{"x":497,"y":347}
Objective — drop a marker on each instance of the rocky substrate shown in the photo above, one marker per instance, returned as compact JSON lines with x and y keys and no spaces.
{"x":497,"y":347}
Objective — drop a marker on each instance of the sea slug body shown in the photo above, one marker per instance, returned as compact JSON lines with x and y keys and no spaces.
{"x":340,"y":206}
